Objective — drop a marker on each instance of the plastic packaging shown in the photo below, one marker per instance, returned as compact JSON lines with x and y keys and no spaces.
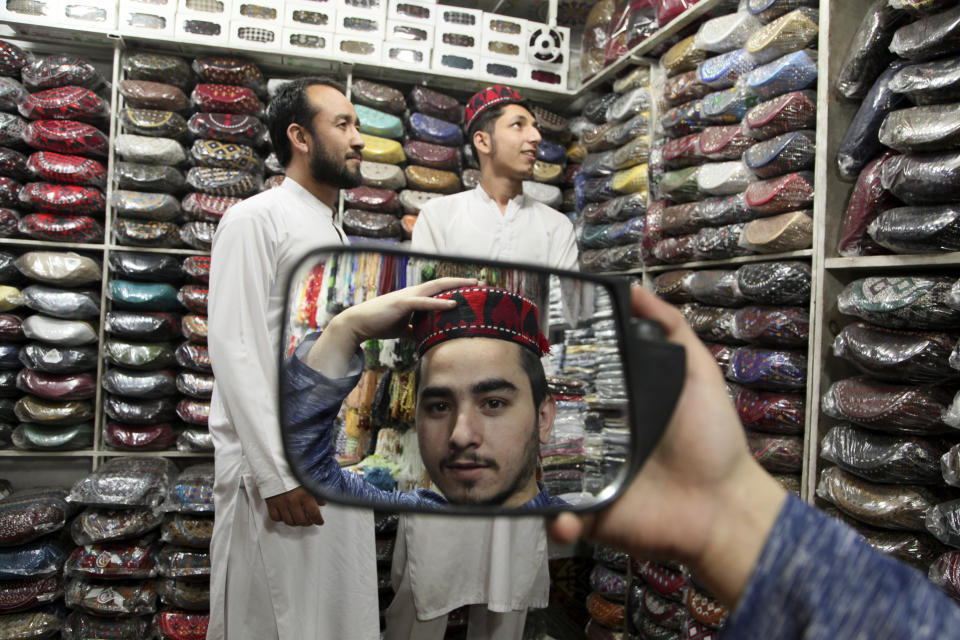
{"x":683,"y":56}
{"x":184,"y":594}
{"x":143,"y":296}
{"x":787,"y":153}
{"x":681,"y":219}
{"x":925,"y":128}
{"x":43,"y":437}
{"x":930,"y":178}
{"x":13,"y":59}
{"x":682,"y":152}
{"x":950,"y":465}
{"x":54,"y":359}
{"x":230,"y":70}
{"x":780,"y":413}
{"x":29,"y":514}
{"x":195,"y":385}
{"x":669,"y":582}
{"x":78,"y":386}
{"x":195,"y":440}
{"x":12,"y":94}
{"x":716,"y":287}
{"x":66,"y":136}
{"x":790,"y":112}
{"x":28,"y":593}
{"x":126,"y":483}
{"x":140,"y":384}
{"x":227,"y":155}
{"x":66,"y":169}
{"x":62,"y":303}
{"x":429,"y":179}
{"x":150,"y":150}
{"x":146,"y":234}
{"x":33,"y":559}
{"x":13,"y":164}
{"x":898,"y":356}
{"x":790,"y":32}
{"x":681,"y":185}
{"x":13,"y":128}
{"x":724,"y":178}
{"x":188,"y":530}
{"x":869,"y":52}
{"x":792,"y":72}
{"x":194,"y":357}
{"x":197,"y":268}
{"x":705,"y":609}
{"x":222,"y":98}
{"x":198,"y":235}
{"x":929,"y":82}
{"x":194,"y":297}
{"x":881,"y":505}
{"x":145,"y":206}
{"x":613,"y":259}
{"x":11,"y":327}
{"x":192,"y":492}
{"x":777,"y":454}
{"x":62,"y":198}
{"x":148,"y":356}
{"x":675,"y":250}
{"x":83,"y":626}
{"x":149,"y":267}
{"x":723,"y":142}
{"x":207,"y":208}
{"x":726,"y":33}
{"x":867,"y":200}
{"x":181,"y":625}
{"x":58,"y":70}
{"x":153,"y":122}
{"x":890,"y":408}
{"x":713,"y":324}
{"x":780,"y":233}
{"x":728,"y":106}
{"x":158,"y":68}
{"x":10,"y":298}
{"x":723,"y":71}
{"x":137,"y":411}
{"x":882,"y":458}
{"x":918,"y":229}
{"x":681,"y":120}
{"x":614,"y":234}
{"x":111,"y":598}
{"x":934,"y":36}
{"x":900,"y":302}
{"x":95,"y":526}
{"x":945,"y":573}
{"x":115,"y":560}
{"x":52,"y":227}
{"x":771,"y":326}
{"x":767,"y":369}
{"x":55,"y":331}
{"x":224,"y":182}
{"x":144,"y":94}
{"x":194,"y":412}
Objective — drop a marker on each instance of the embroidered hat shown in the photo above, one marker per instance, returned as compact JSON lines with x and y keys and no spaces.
{"x":486,"y":98}
{"x":481,"y":312}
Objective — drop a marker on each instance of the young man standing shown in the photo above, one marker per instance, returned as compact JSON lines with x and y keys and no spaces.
{"x":495,"y":221}
{"x":278,"y":574}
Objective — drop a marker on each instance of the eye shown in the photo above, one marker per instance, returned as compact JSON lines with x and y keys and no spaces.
{"x":437,"y":407}
{"x":494,"y":403}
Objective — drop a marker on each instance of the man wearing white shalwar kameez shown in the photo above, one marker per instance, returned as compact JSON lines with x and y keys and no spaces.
{"x":498,"y":566}
{"x":276,"y":573}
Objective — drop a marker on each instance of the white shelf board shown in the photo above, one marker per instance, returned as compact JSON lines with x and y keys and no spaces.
{"x":44,"y":244}
{"x":179,"y":252}
{"x":892,"y":262}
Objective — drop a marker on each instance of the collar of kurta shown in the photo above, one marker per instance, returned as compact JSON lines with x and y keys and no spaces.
{"x":519,"y":199}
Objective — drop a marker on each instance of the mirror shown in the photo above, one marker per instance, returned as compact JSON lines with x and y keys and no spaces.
{"x":510,"y":394}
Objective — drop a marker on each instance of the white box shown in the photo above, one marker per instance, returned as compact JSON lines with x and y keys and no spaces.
{"x":267,"y":12}
{"x":46,"y":13}
{"x":378,"y":6}
{"x":362,"y":22}
{"x":504,"y":38}
{"x":202,"y":27}
{"x":89,"y":15}
{"x":142,"y":19}
{"x":500,"y":71}
{"x":409,"y":32}
{"x":370,"y":48}
{"x":210,"y":8}
{"x":454,"y":61}
{"x":459,"y":19}
{"x":145,"y":5}
{"x":559,"y":40}
{"x":419,"y":11}
{"x":547,"y":77}
{"x":263,"y":35}
{"x":313,"y":16}
{"x":307,"y":42}
{"x":467,"y":41}
{"x":406,"y":55}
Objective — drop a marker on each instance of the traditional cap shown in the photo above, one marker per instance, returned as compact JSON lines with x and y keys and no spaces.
{"x":481,"y":312}
{"x":486,"y":98}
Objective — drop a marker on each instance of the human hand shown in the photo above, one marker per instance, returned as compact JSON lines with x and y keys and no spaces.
{"x":700,"y":497}
{"x":297,"y":508}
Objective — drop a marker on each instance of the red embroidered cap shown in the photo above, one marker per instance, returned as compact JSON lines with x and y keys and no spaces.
{"x":481,"y":312}
{"x":486,"y":98}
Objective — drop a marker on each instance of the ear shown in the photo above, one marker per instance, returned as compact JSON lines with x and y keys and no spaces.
{"x":298,"y":138}
{"x":548,"y":412}
{"x":481,"y":140}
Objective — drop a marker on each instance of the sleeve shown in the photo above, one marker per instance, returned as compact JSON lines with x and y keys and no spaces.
{"x":577,"y":296}
{"x":564,"y":251}
{"x":427,"y":236}
{"x":244,"y":358}
{"x":817,"y":579}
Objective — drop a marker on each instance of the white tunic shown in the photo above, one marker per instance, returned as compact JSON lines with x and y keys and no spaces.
{"x":500,"y":562}
{"x":292,"y":583}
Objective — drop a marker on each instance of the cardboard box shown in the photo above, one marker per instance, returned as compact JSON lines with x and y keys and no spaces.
{"x":267,"y":12}
{"x":362,"y":23}
{"x":454,"y":61}
{"x":312,"y":16}
{"x":504,"y":38}
{"x":460,"y":20}
{"x":264,"y":35}
{"x":377,"y":6}
{"x":89,"y":15}
{"x":45,"y":12}
{"x":143,"y":19}
{"x":556,"y":41}
{"x":202,"y":27}
{"x":211,"y":8}
{"x":500,"y":71}
{"x":307,"y":42}
{"x":418,"y":11}
{"x":406,"y":55}
{"x":357,"y":48}
{"x":545,"y":76}
{"x":409,"y":32}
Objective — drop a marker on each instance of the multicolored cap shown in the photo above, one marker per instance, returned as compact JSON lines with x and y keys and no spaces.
{"x":481,"y":312}
{"x":486,"y":98}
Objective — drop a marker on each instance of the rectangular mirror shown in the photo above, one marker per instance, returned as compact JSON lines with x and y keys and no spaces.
{"x":469,"y":410}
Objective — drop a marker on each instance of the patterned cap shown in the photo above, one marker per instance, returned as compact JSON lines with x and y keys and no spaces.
{"x":481,"y":312}
{"x":486,"y":98}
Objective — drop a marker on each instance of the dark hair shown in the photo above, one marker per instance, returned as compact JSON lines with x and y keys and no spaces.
{"x":531,"y":365}
{"x":290,"y":105}
{"x":487,"y":120}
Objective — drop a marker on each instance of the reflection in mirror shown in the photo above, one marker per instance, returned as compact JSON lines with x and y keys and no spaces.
{"x":508,"y":392}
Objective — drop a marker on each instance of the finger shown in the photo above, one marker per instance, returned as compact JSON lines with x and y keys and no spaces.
{"x":287,"y":516}
{"x":312,"y":511}
{"x":565,"y":528}
{"x":274,"y":513}
{"x":434,"y":287}
{"x":299,"y":516}
{"x":430,"y":304}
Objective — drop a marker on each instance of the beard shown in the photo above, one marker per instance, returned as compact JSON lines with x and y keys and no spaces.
{"x":333,"y":171}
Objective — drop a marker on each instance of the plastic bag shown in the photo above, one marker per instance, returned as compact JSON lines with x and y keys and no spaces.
{"x":143,"y":296}
{"x":776,"y":327}
{"x":13,"y":59}
{"x":867,"y":200}
{"x":682,"y":152}
{"x":222,"y":98}
{"x":723,"y":71}
{"x":140,"y":384}
{"x":945,"y":573}
{"x":137,"y":437}
{"x":32,"y":436}
{"x":227,"y":155}
{"x":552,"y":152}
{"x":943,"y":521}
{"x":115,"y":560}
{"x":726,"y":33}
{"x":934,"y":36}
{"x":891,"y":408}
{"x":681,"y":185}
{"x":926,"y":128}
{"x":681,"y":219}
{"x":55,"y":331}
{"x":768,"y":369}
{"x":435,"y":104}
{"x":230,"y":70}
{"x":157,"y":68}
{"x":674,"y":286}
{"x":111,"y":598}
{"x":11,"y":327}
{"x":13,"y":128}
{"x":150,"y":150}
{"x":54,"y":359}
{"x":614,"y":234}
{"x":194,"y":297}
{"x":224,"y":182}
{"x":178,"y":625}
{"x":613,"y":259}
{"x":724,"y":143}
{"x":929,"y":82}
{"x":771,"y":412}
{"x":792,"y":72}
{"x":434,"y":130}
{"x":725,"y":211}
{"x":681,"y":120}
{"x":149,"y":267}
{"x":95,"y":526}
{"x":869,"y":52}
{"x":227,"y":127}
{"x":83,"y":626}
{"x":145,"y":206}
{"x":728,"y":106}
{"x":724,"y":178}
{"x":790,"y":32}
{"x":29,"y":514}
{"x":629,"y":105}
{"x":194,"y":412}
{"x":61,"y":303}
{"x":790,"y":112}
{"x":153,"y":122}
{"x":620,"y":208}
{"x":675,"y":250}
{"x":188,"y":530}
{"x":13,"y":164}
{"x":192,"y":492}
{"x":38,"y":558}
{"x":899,"y":356}
{"x":595,"y":37}
{"x":144,"y":94}
{"x":28,"y":593}
{"x":10,"y":298}
{"x":78,"y":386}
{"x":9,"y":222}
{"x":66,"y":169}
{"x":716,"y":287}
{"x":683,"y":56}
{"x":139,"y":356}
{"x":768,"y":10}
{"x":780,"y":233}
{"x":900,"y":302}
{"x":146,"y":234}
{"x":861,"y":144}
{"x":950,"y":465}
{"x":9,"y":190}
{"x":930,"y":178}
{"x":195,"y":441}
{"x":145,"y":177}
{"x":66,"y":136}
{"x":52,"y":412}
{"x":194,"y":357}
{"x":787,"y":153}
{"x":138,"y":411}
{"x":197,"y":268}
{"x":777,"y":454}
{"x":880,"y":505}
{"x":185,"y":594}
{"x":918,"y":229}
{"x":882,"y":458}
{"x":12,"y":93}
{"x":198,"y":235}
{"x":195,"y":385}
{"x":714,"y":324}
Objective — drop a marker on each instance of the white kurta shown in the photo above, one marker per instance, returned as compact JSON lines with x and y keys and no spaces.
{"x":271,"y":580}
{"x":443,"y":563}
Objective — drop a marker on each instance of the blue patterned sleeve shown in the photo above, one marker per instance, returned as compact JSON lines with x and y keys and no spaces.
{"x":817,"y":579}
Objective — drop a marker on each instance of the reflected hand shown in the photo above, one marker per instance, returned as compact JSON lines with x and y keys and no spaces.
{"x":296,"y":508}
{"x":700,"y":497}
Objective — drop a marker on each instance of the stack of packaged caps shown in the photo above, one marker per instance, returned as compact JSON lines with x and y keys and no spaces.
{"x":33,"y":548}
{"x":609,"y":584}
{"x":385,"y":528}
{"x":183,"y":561}
{"x":735,"y":176}
{"x":894,"y":446}
{"x":60,"y":357}
{"x":566,"y":438}
{"x":142,"y":402}
{"x":665,"y":602}
{"x":426,"y":141}
{"x":756,"y":323}
{"x":109,"y":577}
{"x":903,"y":145}
{"x":549,"y":169}
{"x":58,"y":189}
{"x":611,"y":184}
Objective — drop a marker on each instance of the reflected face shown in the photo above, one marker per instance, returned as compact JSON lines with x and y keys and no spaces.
{"x":478,"y":429}
{"x":335,"y":150}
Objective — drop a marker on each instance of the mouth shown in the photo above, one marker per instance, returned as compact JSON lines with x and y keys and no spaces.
{"x":467,"y":470}
{"x":530,"y":154}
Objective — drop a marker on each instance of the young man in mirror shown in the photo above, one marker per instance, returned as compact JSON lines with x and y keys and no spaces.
{"x":494,"y":221}
{"x":482,"y":405}
{"x":276,"y":573}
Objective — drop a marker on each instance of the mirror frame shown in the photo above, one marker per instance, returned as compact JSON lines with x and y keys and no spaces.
{"x":650,"y":363}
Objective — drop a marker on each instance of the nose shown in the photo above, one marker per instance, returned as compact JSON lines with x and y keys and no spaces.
{"x":467,"y":430}
{"x":356,"y":140}
{"x":535,"y":136}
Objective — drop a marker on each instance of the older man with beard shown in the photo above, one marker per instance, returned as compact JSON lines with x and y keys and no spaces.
{"x":278,"y":574}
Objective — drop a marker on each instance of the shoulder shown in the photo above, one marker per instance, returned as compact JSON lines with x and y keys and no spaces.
{"x":554,"y":220}
{"x":446,"y":205}
{"x":258,"y":215}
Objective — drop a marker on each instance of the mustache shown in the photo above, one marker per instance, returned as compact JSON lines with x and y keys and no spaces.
{"x":354,"y":155}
